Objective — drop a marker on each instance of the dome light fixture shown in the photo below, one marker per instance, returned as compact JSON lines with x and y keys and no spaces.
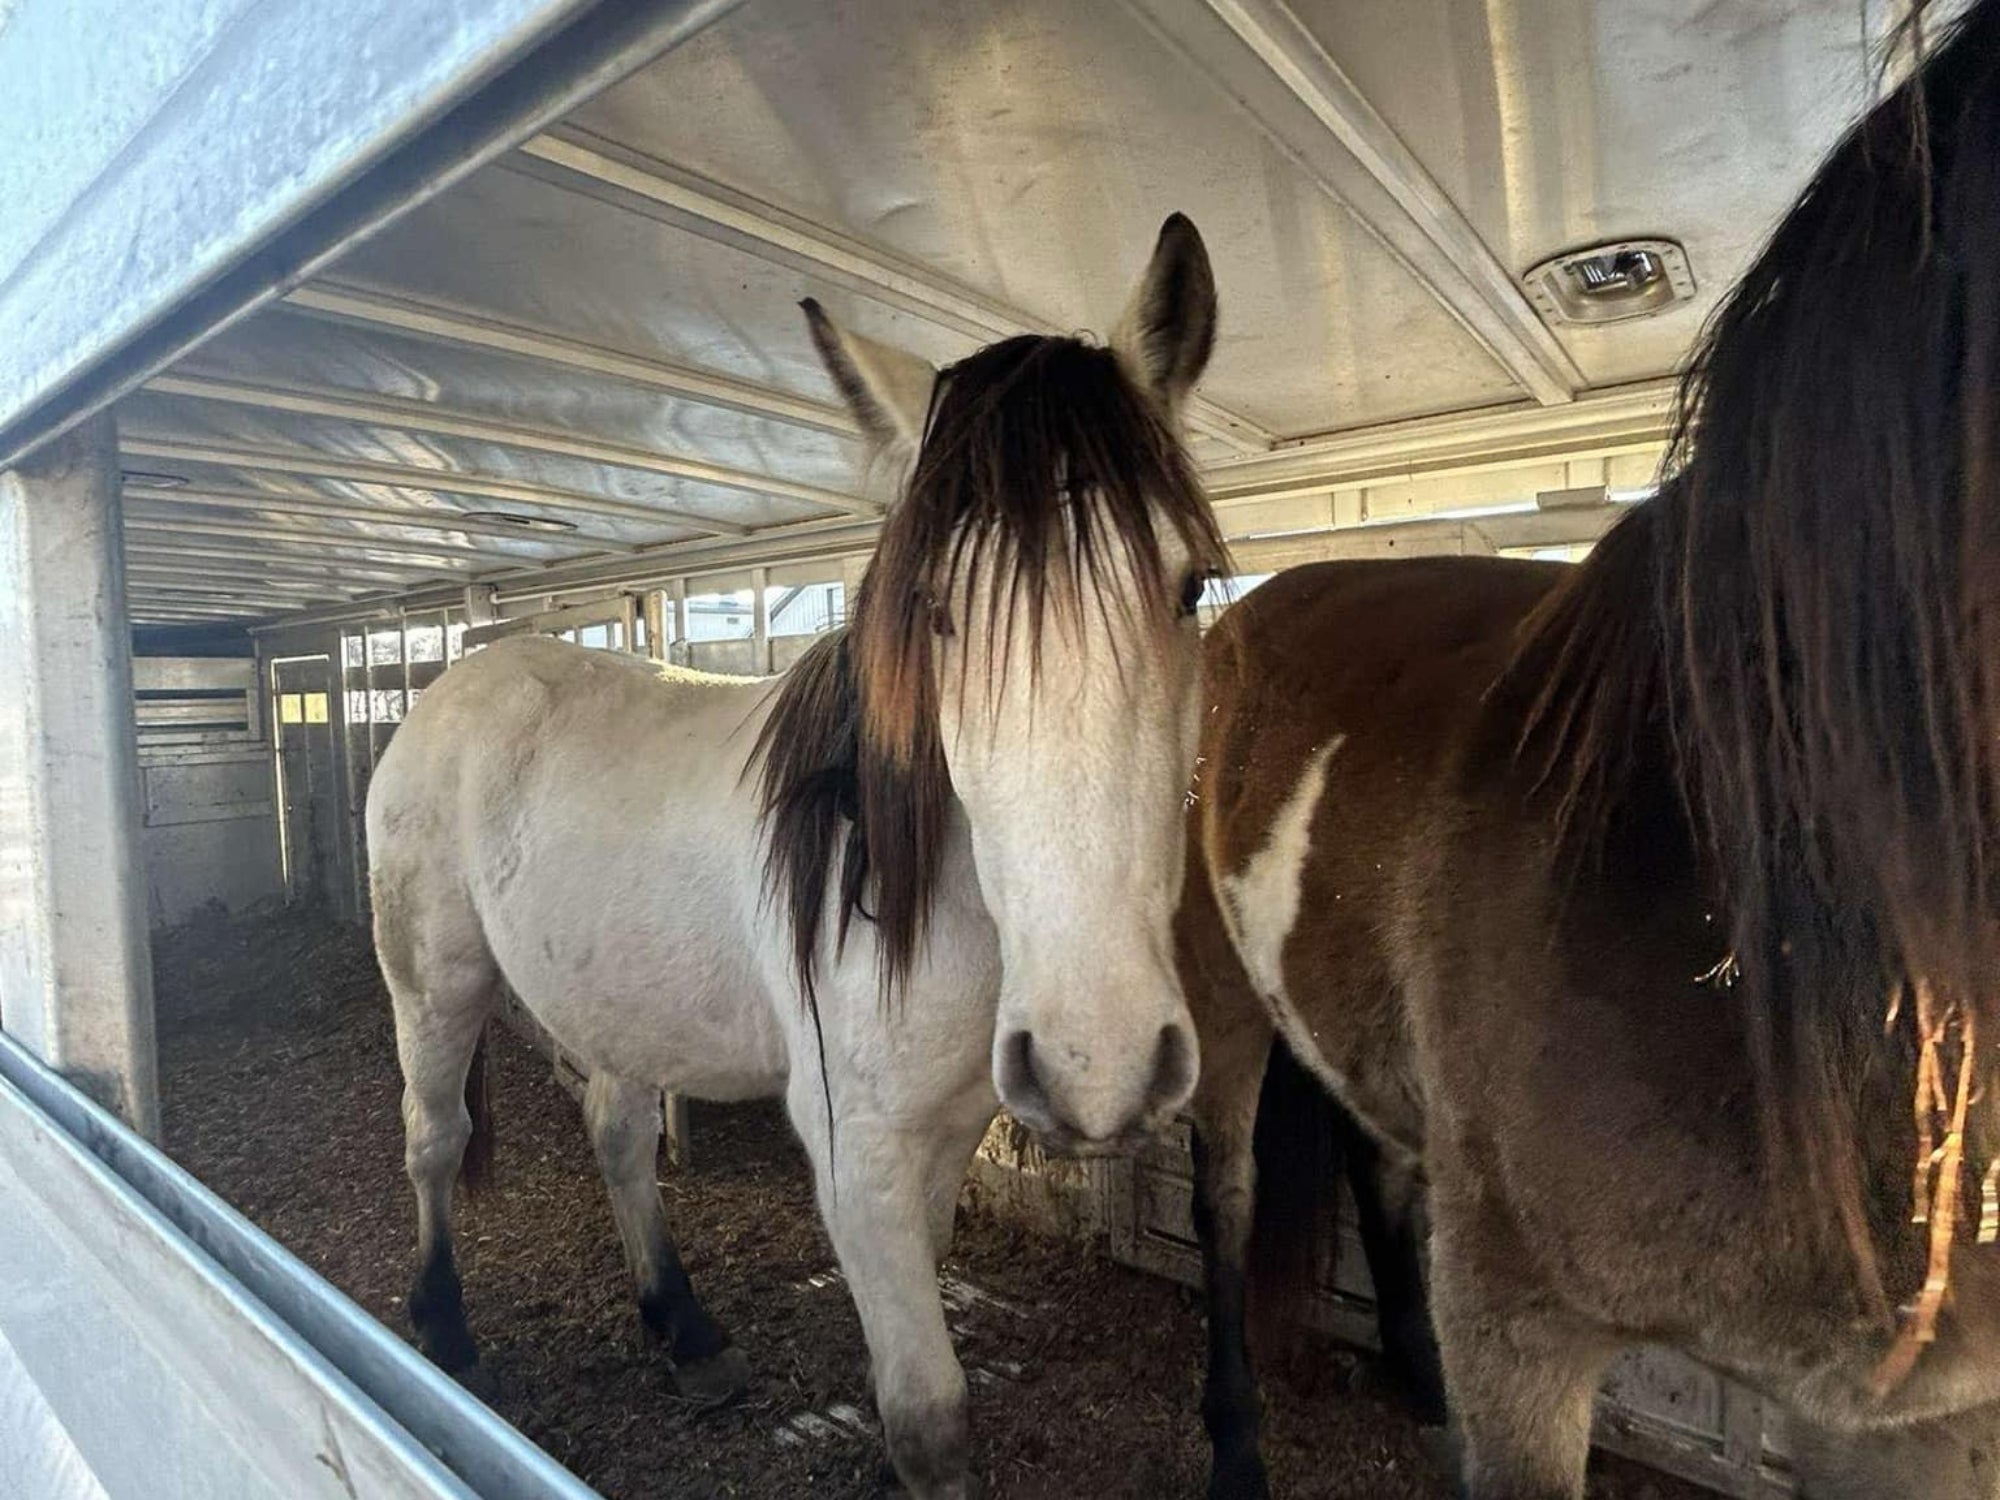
{"x":1610,"y":283}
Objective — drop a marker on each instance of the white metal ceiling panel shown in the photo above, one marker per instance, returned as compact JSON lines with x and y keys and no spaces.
{"x":601,"y":495}
{"x":512,"y":389}
{"x":1030,"y":149}
{"x":601,"y":327}
{"x":160,"y":144}
{"x":1554,"y":124}
{"x":534,"y":254}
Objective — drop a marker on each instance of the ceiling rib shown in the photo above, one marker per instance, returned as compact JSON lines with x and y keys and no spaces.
{"x":1427,"y":537}
{"x":1617,"y":418}
{"x":1391,"y":193}
{"x":442,"y":325}
{"x":422,"y":416}
{"x":145,"y":581}
{"x":379,"y":572}
{"x":242,"y":616}
{"x":772,"y":546}
{"x":444,"y":557}
{"x":591,"y":164}
{"x":140,"y":598}
{"x":303,"y":463}
{"x":173,"y":580}
{"x":146,"y":610}
{"x":154,"y":565}
{"x":221,"y":598}
{"x":399,"y":518}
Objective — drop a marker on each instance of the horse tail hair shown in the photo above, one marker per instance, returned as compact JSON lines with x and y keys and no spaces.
{"x":1300,"y":1148}
{"x":476,"y":1170}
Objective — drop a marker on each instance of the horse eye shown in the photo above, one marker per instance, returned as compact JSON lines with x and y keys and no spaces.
{"x":1192,"y":588}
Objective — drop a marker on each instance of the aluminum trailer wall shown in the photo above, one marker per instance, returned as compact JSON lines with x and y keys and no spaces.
{"x":154,"y":1343}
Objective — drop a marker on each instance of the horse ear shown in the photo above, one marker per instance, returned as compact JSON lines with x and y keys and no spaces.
{"x":1168,"y":330}
{"x":888,"y":391}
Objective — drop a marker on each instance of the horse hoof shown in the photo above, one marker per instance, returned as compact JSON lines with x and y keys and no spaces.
{"x":1246,"y":1482}
{"x":961,"y":1488}
{"x":450,"y":1349}
{"x":480,"y":1381}
{"x":713,"y":1381}
{"x":1440,"y":1446}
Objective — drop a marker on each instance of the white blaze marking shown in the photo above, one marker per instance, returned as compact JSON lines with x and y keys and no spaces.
{"x":1260,"y":905}
{"x":1261,"y":901}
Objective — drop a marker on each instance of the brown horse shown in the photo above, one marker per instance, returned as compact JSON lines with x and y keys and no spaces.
{"x":1642,"y":908}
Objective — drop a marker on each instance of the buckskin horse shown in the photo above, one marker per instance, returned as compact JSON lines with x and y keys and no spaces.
{"x":1646,"y":909}
{"x":870,"y":886}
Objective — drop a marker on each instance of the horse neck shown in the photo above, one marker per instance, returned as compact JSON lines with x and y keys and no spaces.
{"x":957,"y":898}
{"x":957,"y":961}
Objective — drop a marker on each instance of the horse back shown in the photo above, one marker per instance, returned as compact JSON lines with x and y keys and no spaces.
{"x":523,"y":709}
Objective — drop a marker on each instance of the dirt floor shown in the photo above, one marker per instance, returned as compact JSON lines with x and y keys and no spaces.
{"x":281,"y":1092}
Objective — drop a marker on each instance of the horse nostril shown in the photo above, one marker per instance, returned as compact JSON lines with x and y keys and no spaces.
{"x":1020,"y":1085}
{"x":1173,"y":1069}
{"x":1024,"y":1054}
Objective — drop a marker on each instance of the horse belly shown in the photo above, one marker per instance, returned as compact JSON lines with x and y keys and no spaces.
{"x":635,"y":948}
{"x":687,"y":1015}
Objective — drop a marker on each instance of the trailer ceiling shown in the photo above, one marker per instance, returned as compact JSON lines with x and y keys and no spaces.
{"x":599,"y":331}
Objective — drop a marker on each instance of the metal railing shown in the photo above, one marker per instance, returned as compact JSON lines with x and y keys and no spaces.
{"x":155,"y":1343}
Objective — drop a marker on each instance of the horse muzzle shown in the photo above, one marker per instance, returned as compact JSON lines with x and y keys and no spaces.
{"x":1079,"y":1107}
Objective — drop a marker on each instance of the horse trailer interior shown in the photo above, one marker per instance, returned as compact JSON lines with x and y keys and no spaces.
{"x":338,"y":342}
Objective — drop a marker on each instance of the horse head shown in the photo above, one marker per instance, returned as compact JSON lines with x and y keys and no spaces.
{"x":1024,"y":645}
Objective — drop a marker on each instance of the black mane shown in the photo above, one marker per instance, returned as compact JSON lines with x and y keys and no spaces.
{"x":1805,"y":622}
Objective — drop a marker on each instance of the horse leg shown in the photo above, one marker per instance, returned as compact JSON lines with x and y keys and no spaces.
{"x":625,"y":1124}
{"x":946,"y":1179}
{"x":1388,"y":1197}
{"x":438,"y":1026}
{"x":1954,"y":1459}
{"x":1522,"y":1373}
{"x":878,"y":1184}
{"x":1225,"y":1109}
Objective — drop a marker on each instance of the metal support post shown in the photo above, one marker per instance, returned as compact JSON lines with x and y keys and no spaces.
{"x":679,"y":653}
{"x":760,"y":620}
{"x":76,"y":979}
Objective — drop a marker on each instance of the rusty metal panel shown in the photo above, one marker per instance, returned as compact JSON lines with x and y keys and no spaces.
{"x":233,"y":863}
{"x":208,"y":817}
{"x":237,"y":785}
{"x":787,"y":649}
